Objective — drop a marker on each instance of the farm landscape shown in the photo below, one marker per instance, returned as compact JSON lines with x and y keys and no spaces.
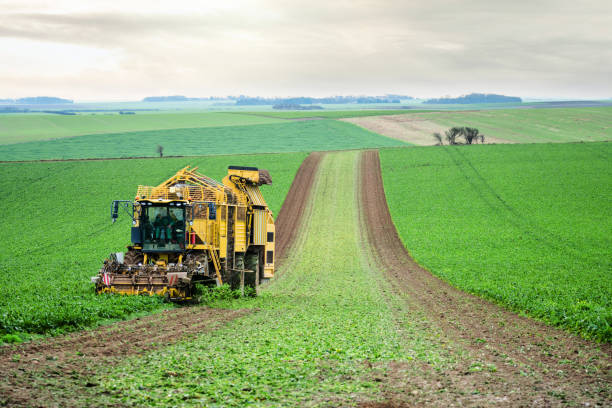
{"x":507,"y":299}
{"x":306,"y":204}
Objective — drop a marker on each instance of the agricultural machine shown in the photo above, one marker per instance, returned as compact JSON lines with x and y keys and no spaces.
{"x":192,"y":229}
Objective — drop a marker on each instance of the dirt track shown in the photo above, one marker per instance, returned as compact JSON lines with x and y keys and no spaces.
{"x":289,"y":217}
{"x":60,"y":371}
{"x":536,"y":365}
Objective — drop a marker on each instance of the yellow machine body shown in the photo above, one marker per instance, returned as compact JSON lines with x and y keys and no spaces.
{"x":192,"y":229}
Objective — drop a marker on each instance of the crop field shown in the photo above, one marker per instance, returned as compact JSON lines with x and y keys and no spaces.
{"x":517,"y":234}
{"x":315,"y":325}
{"x":19,"y":128}
{"x":280,"y":137}
{"x":527,"y":226}
{"x":536,"y":125}
{"x":349,"y":320}
{"x":57,"y":231}
{"x":499,"y":125}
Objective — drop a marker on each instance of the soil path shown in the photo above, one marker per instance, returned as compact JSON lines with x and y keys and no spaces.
{"x":512,"y":360}
{"x":290,"y":215}
{"x":59,"y":371}
{"x":411,"y":128}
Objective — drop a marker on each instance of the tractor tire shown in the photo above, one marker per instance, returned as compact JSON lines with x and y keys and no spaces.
{"x":133,"y":257}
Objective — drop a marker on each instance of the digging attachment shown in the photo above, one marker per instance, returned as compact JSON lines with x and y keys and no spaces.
{"x":174,"y":282}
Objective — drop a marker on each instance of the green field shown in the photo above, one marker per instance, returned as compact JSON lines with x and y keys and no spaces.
{"x":278,"y":137}
{"x":535,"y":125}
{"x":18,"y":128}
{"x":316,"y":326}
{"x":331,"y":114}
{"x":525,"y":225}
{"x":57,"y":231}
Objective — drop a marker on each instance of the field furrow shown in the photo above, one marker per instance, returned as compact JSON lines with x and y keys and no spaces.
{"x":290,"y":216}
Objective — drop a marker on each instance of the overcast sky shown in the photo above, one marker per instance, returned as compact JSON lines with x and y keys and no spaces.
{"x":102,"y":50}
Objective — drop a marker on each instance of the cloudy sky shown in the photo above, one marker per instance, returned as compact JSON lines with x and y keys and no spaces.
{"x":110,"y":50}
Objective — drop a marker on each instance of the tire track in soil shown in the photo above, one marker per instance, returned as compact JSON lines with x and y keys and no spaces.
{"x":61,"y":371}
{"x":535,"y":364}
{"x":514,"y":217}
{"x":291,"y":213}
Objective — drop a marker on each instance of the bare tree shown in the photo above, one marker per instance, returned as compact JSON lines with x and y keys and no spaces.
{"x":438,"y":138}
{"x":481,"y":138}
{"x":470,"y":134}
{"x":160,"y":150}
{"x":451,"y":135}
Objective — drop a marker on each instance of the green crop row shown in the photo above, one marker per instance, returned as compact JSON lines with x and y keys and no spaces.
{"x":525,"y":225}
{"x":278,"y":137}
{"x":56,"y":231}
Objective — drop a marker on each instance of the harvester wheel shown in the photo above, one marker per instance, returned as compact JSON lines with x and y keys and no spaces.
{"x":133,"y":257}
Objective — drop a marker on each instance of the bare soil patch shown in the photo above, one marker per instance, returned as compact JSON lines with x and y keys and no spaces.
{"x":512,"y":361}
{"x":412,"y":128}
{"x":62,"y":371}
{"x":290,"y":215}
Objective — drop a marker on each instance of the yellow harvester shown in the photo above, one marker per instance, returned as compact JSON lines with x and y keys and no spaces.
{"x":191,"y":229}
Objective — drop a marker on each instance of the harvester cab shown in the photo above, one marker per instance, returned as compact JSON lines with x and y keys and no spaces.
{"x":192,"y":229}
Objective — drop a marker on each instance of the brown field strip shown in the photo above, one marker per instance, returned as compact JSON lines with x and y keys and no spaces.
{"x":60,"y":371}
{"x":412,"y":128}
{"x":535,"y":364}
{"x":290,"y":215}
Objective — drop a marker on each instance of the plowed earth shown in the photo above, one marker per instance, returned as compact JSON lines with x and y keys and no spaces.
{"x":60,"y":371}
{"x":290,"y":215}
{"x":411,"y":128}
{"x":534,"y":364}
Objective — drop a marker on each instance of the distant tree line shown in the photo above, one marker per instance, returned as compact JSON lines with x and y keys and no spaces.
{"x":37,"y":100}
{"x":475,"y":98}
{"x":451,"y":136}
{"x":295,"y":106}
{"x":179,"y":98}
{"x":60,"y":112}
{"x":301,"y":100}
{"x":305,"y":100}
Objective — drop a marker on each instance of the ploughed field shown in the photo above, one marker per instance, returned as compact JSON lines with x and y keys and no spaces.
{"x":498,"y":126}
